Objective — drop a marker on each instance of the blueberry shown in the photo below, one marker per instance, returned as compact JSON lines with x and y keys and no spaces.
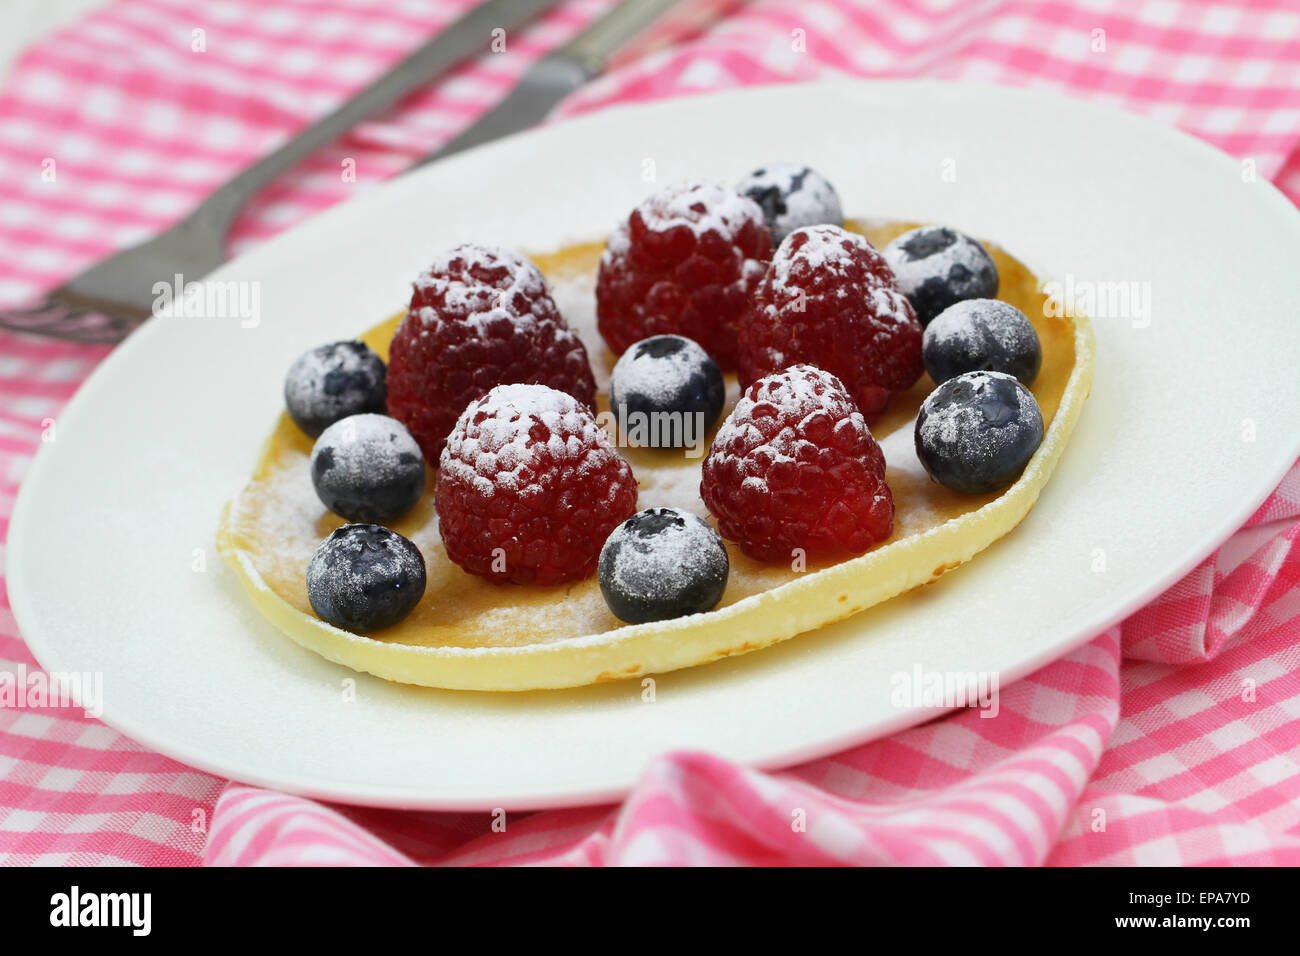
{"x":792,"y":196}
{"x":660,"y":564}
{"x":334,"y":381}
{"x":364,"y":578}
{"x":368,"y":468}
{"x":936,"y":267}
{"x":666,"y":374}
{"x":981,"y":335}
{"x":976,"y":432}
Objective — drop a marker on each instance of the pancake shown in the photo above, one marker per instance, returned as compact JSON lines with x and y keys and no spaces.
{"x":468,"y":633}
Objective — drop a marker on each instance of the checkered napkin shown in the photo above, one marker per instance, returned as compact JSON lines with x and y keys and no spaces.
{"x":1171,"y":739}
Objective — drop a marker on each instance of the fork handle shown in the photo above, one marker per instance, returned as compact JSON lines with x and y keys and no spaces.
{"x":470,"y":33}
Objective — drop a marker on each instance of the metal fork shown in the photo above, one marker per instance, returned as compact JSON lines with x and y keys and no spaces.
{"x":111,"y":298}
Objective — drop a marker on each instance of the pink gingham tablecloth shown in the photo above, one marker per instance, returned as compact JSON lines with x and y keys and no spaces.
{"x":1172,"y":739}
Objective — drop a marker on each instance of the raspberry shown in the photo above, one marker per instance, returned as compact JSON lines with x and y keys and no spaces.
{"x":529,"y":487}
{"x":479,"y":317}
{"x":794,"y":466}
{"x":684,"y":263}
{"x":829,"y":299}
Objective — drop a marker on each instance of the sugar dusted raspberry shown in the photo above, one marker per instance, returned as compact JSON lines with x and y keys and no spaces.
{"x":683,"y":263}
{"x":529,"y":487}
{"x":794,"y":466}
{"x":479,"y":317}
{"x":829,"y":299}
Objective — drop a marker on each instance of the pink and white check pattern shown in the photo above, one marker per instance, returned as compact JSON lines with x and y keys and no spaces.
{"x":1172,"y":739}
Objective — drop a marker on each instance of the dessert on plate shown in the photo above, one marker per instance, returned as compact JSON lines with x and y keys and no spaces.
{"x":738,"y":419}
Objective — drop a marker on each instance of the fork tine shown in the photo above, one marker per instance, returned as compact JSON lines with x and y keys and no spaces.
{"x":33,"y":318}
{"x":75,"y":325}
{"x":36,"y":308}
{"x":92,"y":327}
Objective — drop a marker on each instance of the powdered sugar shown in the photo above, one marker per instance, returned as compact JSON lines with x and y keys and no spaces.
{"x":365,"y":578}
{"x":829,"y":299}
{"x":791,"y":196}
{"x":516,"y":272}
{"x":671,"y":487}
{"x":997,"y":318}
{"x":801,"y":390}
{"x":965,"y":426}
{"x":575,"y":296}
{"x":661,"y":557}
{"x":806,"y":387}
{"x":333,"y":381}
{"x":676,"y":482}
{"x":698,"y":206}
{"x":936,"y":266}
{"x":658,"y":376}
{"x":821,"y":251}
{"x":498,"y":436}
{"x":664,"y":480}
{"x":378,"y":448}
{"x":890,"y":305}
{"x":668,"y":387}
{"x":818,"y":249}
{"x":483,"y":284}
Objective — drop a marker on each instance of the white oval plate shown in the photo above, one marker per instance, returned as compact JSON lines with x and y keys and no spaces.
{"x":1160,"y":470}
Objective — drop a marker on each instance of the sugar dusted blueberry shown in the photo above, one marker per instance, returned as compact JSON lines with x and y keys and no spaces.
{"x":976,"y":432}
{"x":660,"y":564}
{"x":368,"y":468}
{"x":667,"y":375}
{"x":365,"y":578}
{"x":981,"y":335}
{"x":334,"y":381}
{"x":936,"y":266}
{"x":792,"y":195}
